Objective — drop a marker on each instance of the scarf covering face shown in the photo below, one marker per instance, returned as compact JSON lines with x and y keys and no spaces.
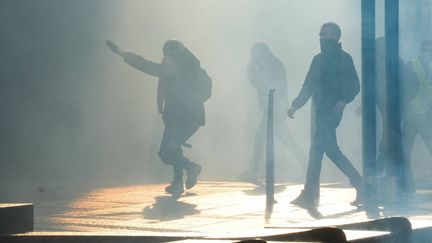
{"x":328,"y":46}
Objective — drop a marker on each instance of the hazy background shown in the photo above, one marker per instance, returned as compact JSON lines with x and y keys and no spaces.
{"x":72,"y":111}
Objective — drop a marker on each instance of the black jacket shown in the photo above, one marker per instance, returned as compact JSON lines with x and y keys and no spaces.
{"x":180,"y":99}
{"x":331,"y":78}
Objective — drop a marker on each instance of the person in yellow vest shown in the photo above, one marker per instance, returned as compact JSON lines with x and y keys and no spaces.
{"x":419,"y":112}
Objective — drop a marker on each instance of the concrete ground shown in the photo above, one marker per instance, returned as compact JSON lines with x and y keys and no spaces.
{"x":211,"y":208}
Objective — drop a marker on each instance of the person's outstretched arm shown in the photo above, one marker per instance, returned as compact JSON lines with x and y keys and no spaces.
{"x":138,"y":62}
{"x":306,"y":91}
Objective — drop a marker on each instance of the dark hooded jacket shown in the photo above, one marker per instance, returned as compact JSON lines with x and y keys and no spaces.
{"x":182,"y":92}
{"x":331,"y":78}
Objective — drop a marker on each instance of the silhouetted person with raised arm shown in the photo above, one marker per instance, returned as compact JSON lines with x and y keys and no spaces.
{"x":266,"y":72}
{"x":332,"y":82}
{"x":183,"y":87}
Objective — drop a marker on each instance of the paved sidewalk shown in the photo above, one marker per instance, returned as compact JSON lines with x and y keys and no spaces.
{"x":210,"y":209}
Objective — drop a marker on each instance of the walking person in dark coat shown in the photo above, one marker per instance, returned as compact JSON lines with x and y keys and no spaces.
{"x":332,"y":82}
{"x":265,"y":72}
{"x":183,"y":88}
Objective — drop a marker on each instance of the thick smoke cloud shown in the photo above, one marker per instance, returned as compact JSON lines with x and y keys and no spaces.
{"x":73,"y":110}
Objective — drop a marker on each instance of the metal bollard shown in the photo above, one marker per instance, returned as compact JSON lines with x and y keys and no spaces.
{"x":270,"y":158}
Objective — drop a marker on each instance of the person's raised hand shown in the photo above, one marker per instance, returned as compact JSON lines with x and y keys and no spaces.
{"x":291,"y":112}
{"x":114,"y":48}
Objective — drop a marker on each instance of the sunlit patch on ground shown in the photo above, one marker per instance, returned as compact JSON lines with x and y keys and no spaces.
{"x":211,"y":207}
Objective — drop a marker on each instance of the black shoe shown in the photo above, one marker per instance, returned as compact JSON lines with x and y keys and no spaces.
{"x":357,"y":202}
{"x":305,"y":200}
{"x":176,"y":188}
{"x":362,"y":197}
{"x":192,"y":176}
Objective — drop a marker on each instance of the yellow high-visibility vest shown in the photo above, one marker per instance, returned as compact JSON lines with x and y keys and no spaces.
{"x":423,"y":100}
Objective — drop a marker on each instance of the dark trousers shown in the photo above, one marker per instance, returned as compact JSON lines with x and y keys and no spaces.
{"x":171,"y":153}
{"x":415,"y":125}
{"x":324,"y":141}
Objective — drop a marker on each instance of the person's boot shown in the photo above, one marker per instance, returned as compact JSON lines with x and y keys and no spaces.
{"x":359,"y":183}
{"x":359,"y":198}
{"x":306,"y":200}
{"x":360,"y":193}
{"x":175,"y":188}
{"x":192,"y":175}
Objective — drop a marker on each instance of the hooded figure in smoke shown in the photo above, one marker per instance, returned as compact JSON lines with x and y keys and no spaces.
{"x":408,"y":84}
{"x":332,"y":82}
{"x":417,"y":119}
{"x":265,"y":72}
{"x":183,"y":87}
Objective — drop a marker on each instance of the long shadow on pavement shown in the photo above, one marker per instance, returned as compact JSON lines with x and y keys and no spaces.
{"x":261,"y":190}
{"x":169,"y":208}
